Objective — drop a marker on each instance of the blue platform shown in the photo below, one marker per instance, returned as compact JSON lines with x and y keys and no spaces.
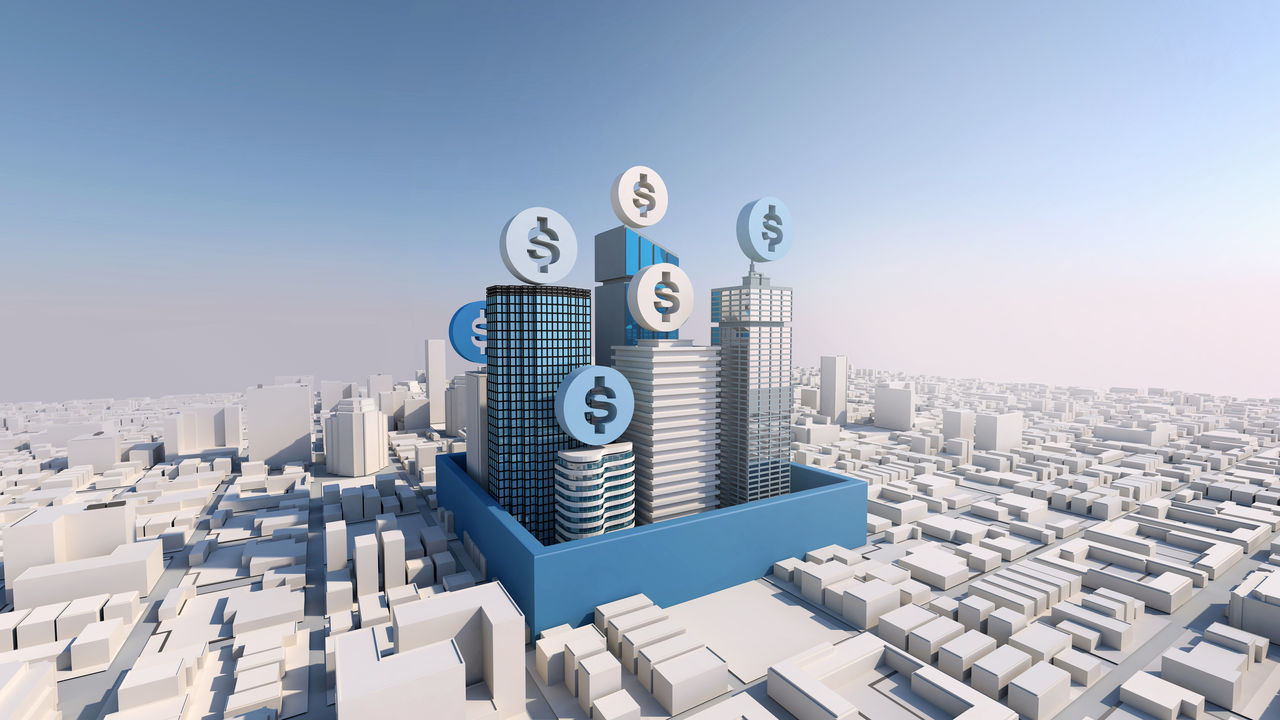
{"x":671,"y":561}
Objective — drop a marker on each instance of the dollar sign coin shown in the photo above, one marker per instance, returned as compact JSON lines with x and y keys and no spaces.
{"x":544,"y":238}
{"x":538,"y":246}
{"x":595,"y":404}
{"x":600,"y":411}
{"x":467,"y":332}
{"x":764,"y":229}
{"x":772,"y":233}
{"x":639,"y":197}
{"x":660,"y":297}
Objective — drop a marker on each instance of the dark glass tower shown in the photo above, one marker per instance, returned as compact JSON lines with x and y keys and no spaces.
{"x":536,"y":335}
{"x":621,"y":253}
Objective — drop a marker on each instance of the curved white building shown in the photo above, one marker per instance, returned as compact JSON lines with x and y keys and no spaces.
{"x":595,"y":490}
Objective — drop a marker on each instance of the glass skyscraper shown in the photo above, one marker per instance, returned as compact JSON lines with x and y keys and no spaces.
{"x":750,"y":326}
{"x":621,"y":253}
{"x":536,"y":335}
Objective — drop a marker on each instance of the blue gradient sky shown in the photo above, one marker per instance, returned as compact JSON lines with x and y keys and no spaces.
{"x":197,"y":197}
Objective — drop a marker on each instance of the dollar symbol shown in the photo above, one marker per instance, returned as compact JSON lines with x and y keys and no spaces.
{"x":668,"y":302}
{"x":644,"y":195}
{"x":479,"y":333}
{"x":545,"y":238}
{"x":772,"y":225}
{"x":601,"y":412}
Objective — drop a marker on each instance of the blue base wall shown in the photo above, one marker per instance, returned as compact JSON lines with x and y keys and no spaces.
{"x":671,"y":562}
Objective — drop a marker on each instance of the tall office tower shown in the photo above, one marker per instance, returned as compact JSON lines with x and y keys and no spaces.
{"x":478,"y":426}
{"x":674,"y":429}
{"x":621,"y":253}
{"x":434,"y":378}
{"x":355,"y":438}
{"x":749,"y":325}
{"x":834,"y":398}
{"x":278,"y":424}
{"x":537,"y":335}
{"x":595,"y":490}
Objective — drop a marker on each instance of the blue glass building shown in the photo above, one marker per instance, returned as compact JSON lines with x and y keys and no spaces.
{"x":536,"y":336}
{"x":621,"y":253}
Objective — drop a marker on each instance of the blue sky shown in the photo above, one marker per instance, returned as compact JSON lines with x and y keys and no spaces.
{"x":201,"y":196}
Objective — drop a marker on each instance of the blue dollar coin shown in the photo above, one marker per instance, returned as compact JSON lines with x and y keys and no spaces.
{"x":467,"y":332}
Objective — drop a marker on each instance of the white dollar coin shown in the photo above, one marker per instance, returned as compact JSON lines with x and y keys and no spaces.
{"x":538,"y":246}
{"x":660,"y":297}
{"x":639,"y":197}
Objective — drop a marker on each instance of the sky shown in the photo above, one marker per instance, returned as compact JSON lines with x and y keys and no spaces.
{"x":197,"y":197}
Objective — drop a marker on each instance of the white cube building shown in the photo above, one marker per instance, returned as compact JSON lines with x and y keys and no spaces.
{"x":1000,"y":433}
{"x":895,"y":406}
{"x":675,"y":429}
{"x":278,"y":421}
{"x":355,"y":438}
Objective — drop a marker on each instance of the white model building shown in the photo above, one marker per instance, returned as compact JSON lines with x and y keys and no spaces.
{"x":595,"y":490}
{"x":278,"y":421}
{"x":1001,"y":433}
{"x":675,"y":429}
{"x":477,"y":396}
{"x":355,"y":439}
{"x":334,"y":391}
{"x":196,"y":429}
{"x":436,"y":380}
{"x":895,"y":406}
{"x":455,"y":402}
{"x":834,"y":397}
{"x":100,"y":449}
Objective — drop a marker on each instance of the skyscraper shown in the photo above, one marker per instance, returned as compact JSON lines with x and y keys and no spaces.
{"x":834,"y":389}
{"x":595,"y":491}
{"x":434,"y":378}
{"x":750,"y":327}
{"x":621,"y":253}
{"x":536,"y":336}
{"x":674,"y":427}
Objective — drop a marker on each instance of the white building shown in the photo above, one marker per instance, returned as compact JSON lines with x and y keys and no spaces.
{"x":455,"y":402}
{"x":595,"y":490}
{"x":435,"y":380}
{"x":895,"y":406}
{"x":193,"y":430}
{"x":477,"y":390}
{"x":998,"y":432}
{"x":355,"y":439}
{"x":834,"y":396}
{"x":750,"y":329}
{"x":278,"y":421}
{"x":100,"y":449}
{"x":675,"y":429}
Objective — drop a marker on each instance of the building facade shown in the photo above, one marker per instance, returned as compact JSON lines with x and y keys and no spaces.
{"x":674,"y":431}
{"x":355,"y":438}
{"x":834,"y":389}
{"x":536,"y":335}
{"x":749,"y":325}
{"x":595,"y":490}
{"x":621,"y":253}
